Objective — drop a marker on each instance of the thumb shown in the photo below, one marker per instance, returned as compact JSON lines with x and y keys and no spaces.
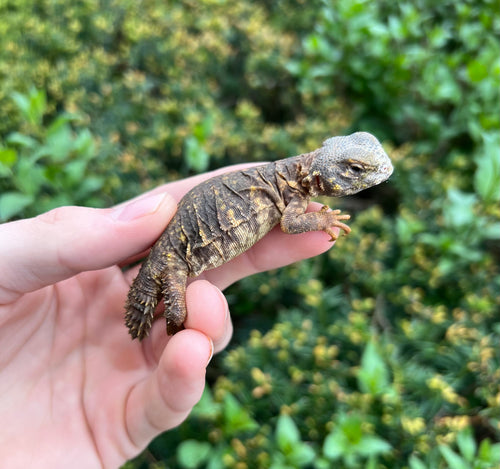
{"x":40,"y":251}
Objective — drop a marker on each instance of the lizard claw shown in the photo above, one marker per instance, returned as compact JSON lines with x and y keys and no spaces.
{"x":333,"y":235}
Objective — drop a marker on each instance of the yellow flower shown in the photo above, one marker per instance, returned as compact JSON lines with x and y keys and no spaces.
{"x":448,"y":393}
{"x":413,"y":426}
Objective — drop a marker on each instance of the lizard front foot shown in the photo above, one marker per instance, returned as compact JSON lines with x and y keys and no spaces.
{"x":334,"y":218}
{"x":322,"y":220}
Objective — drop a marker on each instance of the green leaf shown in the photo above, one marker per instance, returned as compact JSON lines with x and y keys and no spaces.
{"x":495,"y":453}
{"x":466,"y":444}
{"x":60,"y":143}
{"x":344,"y":438}
{"x":406,"y":228}
{"x":61,"y":120}
{"x":488,"y":452}
{"x":453,"y":459}
{"x":477,"y":71}
{"x":322,"y":463}
{"x":203,"y":129}
{"x":22,"y":140}
{"x":28,"y":178}
{"x":439,"y":36}
{"x":8,"y":158}
{"x":351,"y":428}
{"x":236,"y":417}
{"x":216,"y":455}
{"x":484,"y":452}
{"x":287,"y":434}
{"x":491,"y":231}
{"x":54,"y":174}
{"x":195,"y":155}
{"x":206,"y":407}
{"x":301,"y":455}
{"x":279,"y":462}
{"x":416,"y":463}
{"x":12,"y":203}
{"x":316,"y":44}
{"x":373,"y":377}
{"x":191,"y":453}
{"x":487,"y":175}
{"x":439,"y":82}
{"x":373,"y":445}
{"x":89,"y":185}
{"x":458,"y":209}
{"x":84,"y":144}
{"x":22,"y":102}
{"x":41,"y":151}
{"x":32,"y":105}
{"x":347,"y":441}
{"x":75,"y":171}
{"x":334,"y":445}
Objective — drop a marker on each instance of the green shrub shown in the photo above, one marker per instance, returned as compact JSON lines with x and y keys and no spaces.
{"x":183,"y":86}
{"x":46,"y":166}
{"x":417,"y":70}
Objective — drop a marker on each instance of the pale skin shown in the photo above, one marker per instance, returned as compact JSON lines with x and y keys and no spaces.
{"x":75,"y":390}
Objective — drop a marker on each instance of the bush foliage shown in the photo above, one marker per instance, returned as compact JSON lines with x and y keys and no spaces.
{"x":381,"y":354}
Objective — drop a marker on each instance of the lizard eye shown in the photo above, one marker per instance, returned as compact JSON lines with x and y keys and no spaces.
{"x":356,"y":168}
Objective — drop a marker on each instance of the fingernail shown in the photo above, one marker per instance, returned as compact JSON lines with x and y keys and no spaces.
{"x":139,"y":208}
{"x":225,"y":305}
{"x":211,"y":350}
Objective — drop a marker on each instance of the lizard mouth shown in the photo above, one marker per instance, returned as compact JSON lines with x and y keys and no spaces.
{"x":319,"y":183}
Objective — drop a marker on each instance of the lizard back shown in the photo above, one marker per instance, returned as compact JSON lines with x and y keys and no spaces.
{"x":223,"y":217}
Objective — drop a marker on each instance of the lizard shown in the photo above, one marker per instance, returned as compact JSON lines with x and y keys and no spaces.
{"x":224,"y":216}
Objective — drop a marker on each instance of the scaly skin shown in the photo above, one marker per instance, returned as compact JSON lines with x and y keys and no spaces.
{"x":224,"y":216}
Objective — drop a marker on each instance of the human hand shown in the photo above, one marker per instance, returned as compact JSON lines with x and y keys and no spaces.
{"x":75,"y":389}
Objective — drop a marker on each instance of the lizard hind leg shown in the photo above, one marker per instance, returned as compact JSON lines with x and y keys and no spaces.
{"x":174,"y":295}
{"x":143,"y":297}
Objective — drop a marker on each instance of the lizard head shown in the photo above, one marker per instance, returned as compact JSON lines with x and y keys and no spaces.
{"x":346,"y":165}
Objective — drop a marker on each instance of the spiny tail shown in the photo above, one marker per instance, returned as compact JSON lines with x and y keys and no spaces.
{"x":143,"y":297}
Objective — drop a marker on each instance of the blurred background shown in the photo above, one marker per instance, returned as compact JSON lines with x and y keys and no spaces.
{"x":382,"y":353}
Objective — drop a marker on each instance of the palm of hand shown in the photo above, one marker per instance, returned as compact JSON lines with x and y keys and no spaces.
{"x":88,"y":387}
{"x":76,"y":386}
